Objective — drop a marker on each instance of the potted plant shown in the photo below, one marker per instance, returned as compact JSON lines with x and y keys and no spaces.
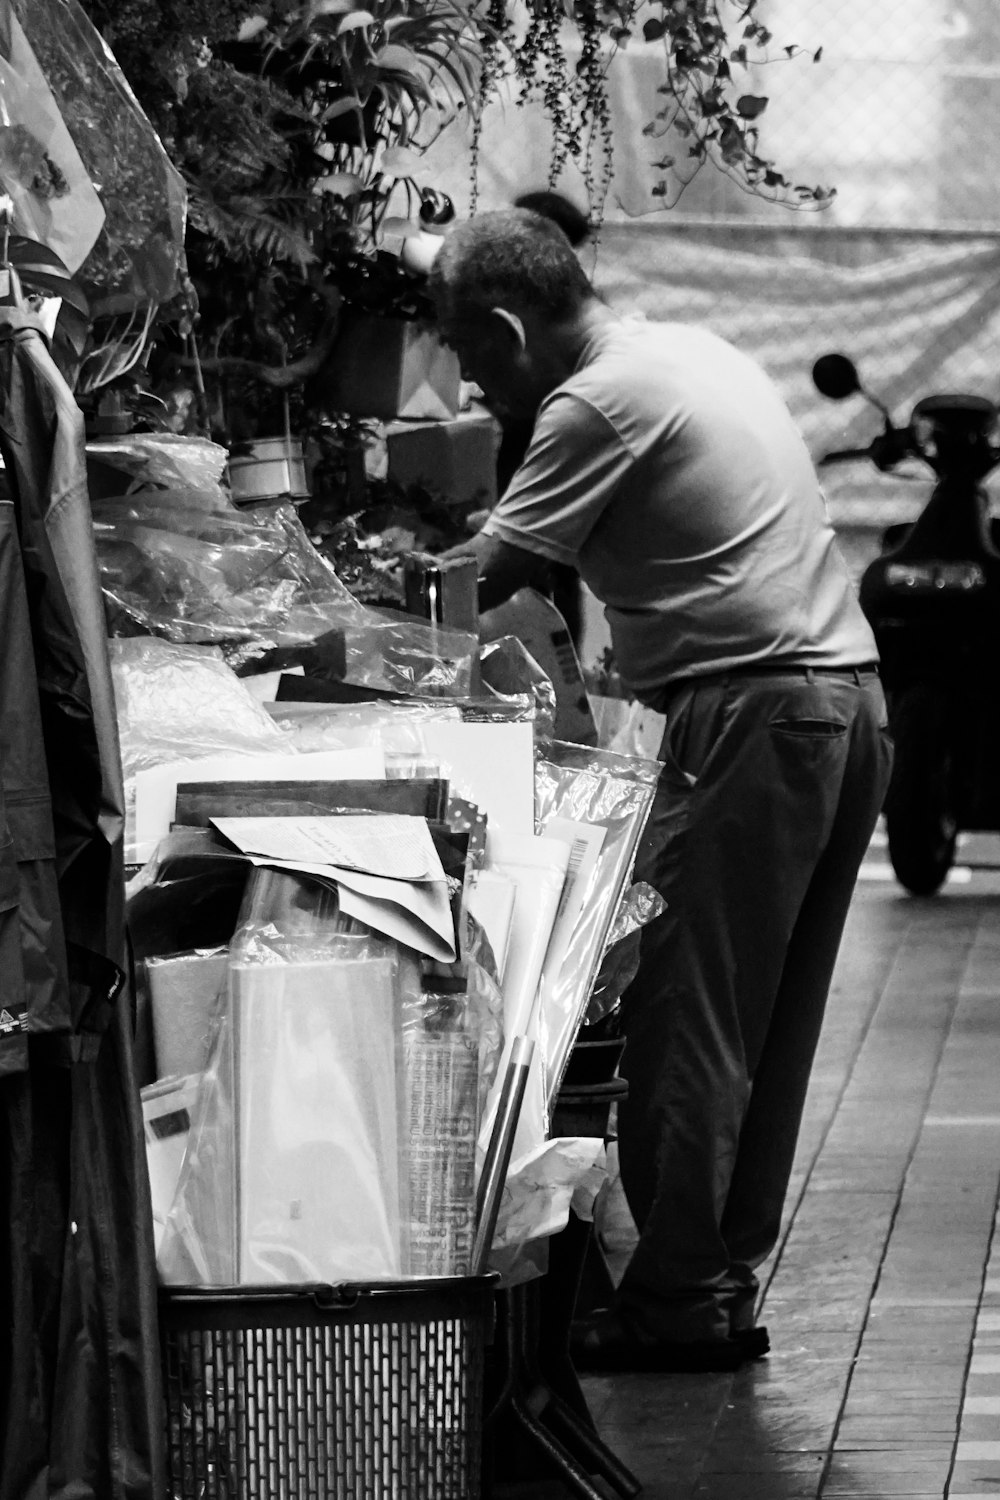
{"x":282,"y":118}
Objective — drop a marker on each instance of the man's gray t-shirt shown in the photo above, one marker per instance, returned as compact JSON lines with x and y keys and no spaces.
{"x":669,"y":471}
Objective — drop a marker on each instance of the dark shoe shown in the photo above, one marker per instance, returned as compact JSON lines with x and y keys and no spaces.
{"x":605,"y":1343}
{"x":753,"y":1341}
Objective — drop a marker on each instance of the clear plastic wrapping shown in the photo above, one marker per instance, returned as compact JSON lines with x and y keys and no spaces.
{"x":397,"y":727}
{"x":334,"y":1133}
{"x":54,"y":202}
{"x":640,"y":905}
{"x":397,"y":654}
{"x":441,"y":1089}
{"x":179,"y":702}
{"x":184,"y":990}
{"x":215,"y":577}
{"x":192,"y":467}
{"x":614,"y":793}
{"x":253,"y":584}
{"x":512,"y":673}
{"x":628,"y":727}
{"x":564,"y":1172}
{"x":139,"y":252}
{"x":536,"y":869}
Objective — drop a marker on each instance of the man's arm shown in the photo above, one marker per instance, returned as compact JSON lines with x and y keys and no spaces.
{"x":503,"y":568}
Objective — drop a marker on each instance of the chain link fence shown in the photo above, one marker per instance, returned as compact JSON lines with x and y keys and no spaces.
{"x":901,"y":115}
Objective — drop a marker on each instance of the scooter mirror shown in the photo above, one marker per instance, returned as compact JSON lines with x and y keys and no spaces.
{"x":834,"y":375}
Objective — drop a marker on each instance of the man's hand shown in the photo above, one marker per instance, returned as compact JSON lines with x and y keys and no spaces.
{"x":503,"y":569}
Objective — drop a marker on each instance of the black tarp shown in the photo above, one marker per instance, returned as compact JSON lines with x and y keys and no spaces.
{"x":80,"y":1405}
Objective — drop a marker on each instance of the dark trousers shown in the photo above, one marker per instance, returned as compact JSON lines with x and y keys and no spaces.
{"x":771,"y":788}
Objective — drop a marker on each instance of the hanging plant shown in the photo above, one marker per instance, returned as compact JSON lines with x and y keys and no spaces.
{"x":598,"y":47}
{"x":537,"y":57}
{"x":283,"y":117}
{"x":708,"y":115}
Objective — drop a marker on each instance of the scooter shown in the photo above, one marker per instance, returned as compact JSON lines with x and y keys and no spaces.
{"x":933,"y":600}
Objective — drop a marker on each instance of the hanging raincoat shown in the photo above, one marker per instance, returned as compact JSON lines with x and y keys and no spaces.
{"x":79,"y":1386}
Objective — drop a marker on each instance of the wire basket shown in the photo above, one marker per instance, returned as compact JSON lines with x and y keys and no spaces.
{"x":326,"y":1393}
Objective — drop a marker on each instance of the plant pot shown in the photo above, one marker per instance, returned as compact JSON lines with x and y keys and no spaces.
{"x":268,"y":469}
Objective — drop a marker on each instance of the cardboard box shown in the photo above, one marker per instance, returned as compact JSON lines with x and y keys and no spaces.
{"x":386,"y":367}
{"x":456,"y":459}
{"x":541,"y":628}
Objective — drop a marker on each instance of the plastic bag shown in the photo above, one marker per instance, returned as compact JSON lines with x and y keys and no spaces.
{"x":536,"y":869}
{"x":614,"y":793}
{"x":626,"y":726}
{"x":218,"y":577}
{"x":442,"y":1030}
{"x":253,"y":584}
{"x":292,"y":1172}
{"x":334,"y":1133}
{"x":191,"y":467}
{"x":398,"y":654}
{"x":511,"y":672}
{"x":395,"y":727}
{"x":563,"y":1173}
{"x":180,"y":702}
{"x":167,"y":1108}
{"x":343,"y":726}
{"x":184,"y":993}
{"x":55,"y":203}
{"x":641,"y":904}
{"x":139,"y":251}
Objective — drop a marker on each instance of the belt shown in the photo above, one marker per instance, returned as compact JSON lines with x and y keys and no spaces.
{"x":768,"y":669}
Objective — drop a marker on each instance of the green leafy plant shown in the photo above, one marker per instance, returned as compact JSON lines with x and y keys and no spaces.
{"x":708,"y":113}
{"x":299,"y":125}
{"x":708,"y":46}
{"x":570,"y":81}
{"x":282,"y":119}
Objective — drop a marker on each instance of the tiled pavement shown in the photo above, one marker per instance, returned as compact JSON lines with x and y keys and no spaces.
{"x":883,"y":1300}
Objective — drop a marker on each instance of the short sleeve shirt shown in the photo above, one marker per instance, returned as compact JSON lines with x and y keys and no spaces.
{"x":669,"y":471}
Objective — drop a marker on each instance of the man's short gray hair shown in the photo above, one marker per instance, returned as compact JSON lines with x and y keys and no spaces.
{"x":513,"y":259}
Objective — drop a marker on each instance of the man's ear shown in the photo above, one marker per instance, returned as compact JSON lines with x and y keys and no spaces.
{"x":514,"y":328}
